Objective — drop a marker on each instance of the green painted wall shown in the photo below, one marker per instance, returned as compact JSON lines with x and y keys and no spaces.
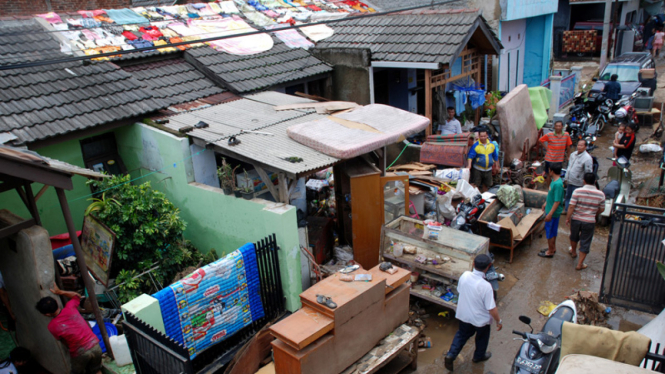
{"x":214,"y":220}
{"x":48,"y":206}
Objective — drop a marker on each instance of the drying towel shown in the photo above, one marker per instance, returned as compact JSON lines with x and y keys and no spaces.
{"x":126,"y":16}
{"x":317,"y":32}
{"x":244,"y":45}
{"x":213,"y":302}
{"x":626,"y":347}
{"x":291,"y":38}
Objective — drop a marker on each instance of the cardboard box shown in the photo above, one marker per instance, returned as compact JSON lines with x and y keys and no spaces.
{"x":515,"y":213}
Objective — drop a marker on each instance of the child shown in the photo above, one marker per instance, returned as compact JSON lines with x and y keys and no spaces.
{"x":658,"y":39}
{"x":617,"y":137}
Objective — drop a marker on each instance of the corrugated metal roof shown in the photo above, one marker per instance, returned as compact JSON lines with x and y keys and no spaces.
{"x":409,"y":37}
{"x":256,"y":113}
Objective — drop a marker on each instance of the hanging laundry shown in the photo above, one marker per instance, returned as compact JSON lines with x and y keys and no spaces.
{"x":166,"y":49}
{"x":126,"y":16}
{"x":244,"y":45}
{"x":152,"y":31}
{"x":178,"y":40}
{"x":51,"y":17}
{"x":91,"y":13}
{"x":228,"y":7}
{"x":317,"y":32}
{"x":292,"y":38}
{"x":90,"y":23}
{"x":140,"y":43}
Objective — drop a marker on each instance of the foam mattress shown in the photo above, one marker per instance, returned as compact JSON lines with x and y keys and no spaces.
{"x":360,"y":131}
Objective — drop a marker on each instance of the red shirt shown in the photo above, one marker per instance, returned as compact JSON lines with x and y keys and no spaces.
{"x":556,"y":146}
{"x":72,"y":329}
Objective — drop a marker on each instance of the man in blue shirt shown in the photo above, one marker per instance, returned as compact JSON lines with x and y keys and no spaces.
{"x":481,"y":157}
{"x":613,"y":88}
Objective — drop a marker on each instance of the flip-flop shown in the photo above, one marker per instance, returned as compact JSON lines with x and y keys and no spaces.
{"x":584,"y":266}
{"x":544,"y":254}
{"x":570,"y":252}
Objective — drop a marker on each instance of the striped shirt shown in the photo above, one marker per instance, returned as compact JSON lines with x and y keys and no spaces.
{"x":556,"y":146}
{"x":587,"y":201}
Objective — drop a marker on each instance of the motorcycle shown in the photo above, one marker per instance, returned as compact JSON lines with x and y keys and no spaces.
{"x":618,"y":187}
{"x":539,"y":354}
{"x":468,"y":213}
{"x":494,"y":278}
{"x":578,"y":123}
{"x":627,"y":114}
{"x":602,"y":116}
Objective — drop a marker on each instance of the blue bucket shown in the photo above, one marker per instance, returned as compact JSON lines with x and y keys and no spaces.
{"x":110,"y":330}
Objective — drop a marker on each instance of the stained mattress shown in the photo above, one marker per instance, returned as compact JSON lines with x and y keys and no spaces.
{"x":360,"y":131}
{"x":214,"y":302}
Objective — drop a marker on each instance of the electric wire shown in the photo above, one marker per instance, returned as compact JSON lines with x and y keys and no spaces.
{"x":215,"y":38}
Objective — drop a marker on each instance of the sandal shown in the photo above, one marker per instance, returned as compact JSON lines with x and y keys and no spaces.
{"x":584,"y":266}
{"x":570,"y":252}
{"x":325,"y":300}
{"x":544,"y":253}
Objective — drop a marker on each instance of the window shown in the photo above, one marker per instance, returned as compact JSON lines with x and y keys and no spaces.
{"x":626,"y":73}
{"x":100,"y":153}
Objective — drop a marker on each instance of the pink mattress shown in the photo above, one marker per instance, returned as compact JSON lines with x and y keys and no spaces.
{"x":372,"y":127}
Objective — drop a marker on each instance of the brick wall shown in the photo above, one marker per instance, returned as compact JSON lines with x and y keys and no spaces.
{"x":28,"y":7}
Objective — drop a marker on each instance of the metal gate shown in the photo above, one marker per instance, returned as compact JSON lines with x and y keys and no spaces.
{"x":155,"y":353}
{"x":630,"y":277}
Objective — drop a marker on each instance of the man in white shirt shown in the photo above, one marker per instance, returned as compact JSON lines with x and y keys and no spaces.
{"x":451,"y":126}
{"x":475,"y":310}
{"x":580,"y":162}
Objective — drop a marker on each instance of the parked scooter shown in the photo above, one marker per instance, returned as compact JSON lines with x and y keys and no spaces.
{"x":628,"y":115}
{"x":618,"y":187}
{"x":493,"y":277}
{"x":539,"y":354}
{"x":468,"y":213}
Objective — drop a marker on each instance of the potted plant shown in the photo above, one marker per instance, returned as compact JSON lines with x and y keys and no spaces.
{"x":248,"y":189}
{"x":226,"y":176}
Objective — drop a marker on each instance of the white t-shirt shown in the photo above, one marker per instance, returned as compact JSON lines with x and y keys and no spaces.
{"x":450,"y":127}
{"x":476,"y":299}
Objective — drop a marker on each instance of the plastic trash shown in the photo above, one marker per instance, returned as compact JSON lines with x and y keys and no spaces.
{"x":646,"y":148}
{"x":448,"y":175}
{"x":120,"y":350}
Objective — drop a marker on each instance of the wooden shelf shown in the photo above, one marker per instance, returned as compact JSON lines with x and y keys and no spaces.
{"x":444,"y":280}
{"x":426,"y":295}
{"x":449,"y":270}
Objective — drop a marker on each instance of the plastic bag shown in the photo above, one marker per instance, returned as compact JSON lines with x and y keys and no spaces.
{"x":646,"y":148}
{"x":508,"y":196}
{"x":430,"y":202}
{"x":343,"y":255}
{"x":446,"y":209}
{"x":466,"y":189}
{"x":449,"y":175}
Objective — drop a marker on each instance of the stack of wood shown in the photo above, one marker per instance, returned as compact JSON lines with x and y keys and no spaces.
{"x":322,"y":340}
{"x":414,"y":169}
{"x":589,"y":310}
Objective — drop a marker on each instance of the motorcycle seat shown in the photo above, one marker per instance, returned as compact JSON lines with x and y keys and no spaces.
{"x":555,"y":322}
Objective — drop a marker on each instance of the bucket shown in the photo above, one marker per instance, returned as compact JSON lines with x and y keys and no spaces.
{"x":110,"y":330}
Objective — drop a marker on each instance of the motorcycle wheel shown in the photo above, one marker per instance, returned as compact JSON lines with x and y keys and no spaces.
{"x":600,"y":125}
{"x":528,"y":182}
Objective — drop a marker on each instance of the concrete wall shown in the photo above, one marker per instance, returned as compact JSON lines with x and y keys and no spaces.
{"x":48,"y":206}
{"x":627,"y":7}
{"x":350,"y":78}
{"x":214,"y":221}
{"x":27,"y":268}
{"x":517,"y":9}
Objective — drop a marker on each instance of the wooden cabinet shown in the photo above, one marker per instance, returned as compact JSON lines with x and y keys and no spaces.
{"x":360,"y":190}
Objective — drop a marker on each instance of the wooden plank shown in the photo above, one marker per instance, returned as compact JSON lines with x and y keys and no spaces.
{"x":266,"y":180}
{"x":426,"y":295}
{"x":327,"y":106}
{"x":41,"y":192}
{"x":428,"y":100}
{"x":413,"y":166}
{"x":248,"y":359}
{"x":283,"y":188}
{"x":409,"y":340}
{"x":13,"y":229}
{"x":311,"y":97}
{"x":366,"y":218}
{"x":302,"y":328}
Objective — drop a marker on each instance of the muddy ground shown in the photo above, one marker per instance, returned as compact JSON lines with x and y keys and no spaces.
{"x":531,"y":279}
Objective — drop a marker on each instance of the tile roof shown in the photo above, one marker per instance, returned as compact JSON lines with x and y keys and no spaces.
{"x":388,"y":5}
{"x":427,"y":37}
{"x":37,"y":103}
{"x":173,"y":80}
{"x":243,"y":74}
{"x":256,"y":113}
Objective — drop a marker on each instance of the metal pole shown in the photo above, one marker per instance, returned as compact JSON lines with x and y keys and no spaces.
{"x":606,"y":33}
{"x":614,"y":30}
{"x":84,"y":268}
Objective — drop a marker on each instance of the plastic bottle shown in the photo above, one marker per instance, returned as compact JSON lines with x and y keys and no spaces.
{"x":398,"y":250}
{"x":120,"y":350}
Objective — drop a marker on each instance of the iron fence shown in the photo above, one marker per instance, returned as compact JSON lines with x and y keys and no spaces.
{"x":154,"y":352}
{"x":630,"y":277}
{"x":567,"y":89}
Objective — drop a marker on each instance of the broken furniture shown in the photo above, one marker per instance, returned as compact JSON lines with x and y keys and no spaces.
{"x":503,"y":235}
{"x":397,"y":351}
{"x":452,"y":250}
{"x":317,"y":339}
{"x":361,"y":194}
{"x":448,"y":150}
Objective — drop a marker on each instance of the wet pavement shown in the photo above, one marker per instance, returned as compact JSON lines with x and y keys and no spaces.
{"x":531,"y":279}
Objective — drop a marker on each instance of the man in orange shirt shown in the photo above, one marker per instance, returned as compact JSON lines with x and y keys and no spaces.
{"x":557,"y":149}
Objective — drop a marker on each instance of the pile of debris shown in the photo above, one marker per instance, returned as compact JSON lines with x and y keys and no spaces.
{"x":589,"y":310}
